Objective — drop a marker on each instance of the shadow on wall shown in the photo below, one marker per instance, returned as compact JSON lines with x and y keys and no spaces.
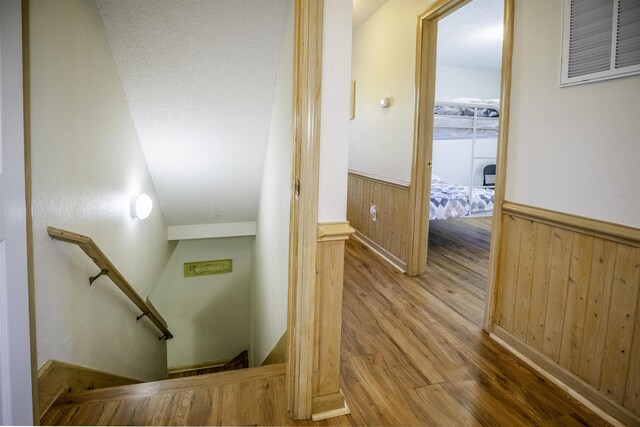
{"x":208,"y":315}
{"x":211,"y":332}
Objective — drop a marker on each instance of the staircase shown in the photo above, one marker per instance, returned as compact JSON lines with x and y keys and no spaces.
{"x":77,"y":405}
{"x":239,"y":397}
{"x":241,"y":361}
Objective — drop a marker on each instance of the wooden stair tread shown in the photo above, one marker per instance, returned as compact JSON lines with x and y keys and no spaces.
{"x":241,"y":361}
{"x":173,"y":385}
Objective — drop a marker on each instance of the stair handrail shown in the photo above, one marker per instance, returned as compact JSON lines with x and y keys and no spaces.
{"x":107,"y":268}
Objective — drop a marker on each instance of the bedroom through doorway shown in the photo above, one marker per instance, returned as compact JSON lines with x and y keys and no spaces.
{"x":397,"y":78}
{"x":465,"y":142}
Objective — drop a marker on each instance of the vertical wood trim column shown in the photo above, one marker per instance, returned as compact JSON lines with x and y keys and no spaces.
{"x":328,"y":400}
{"x":501,"y":162}
{"x":420,"y":189}
{"x":304,"y":206}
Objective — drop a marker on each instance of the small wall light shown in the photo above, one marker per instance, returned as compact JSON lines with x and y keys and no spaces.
{"x":384,"y":102}
{"x":141,"y":206}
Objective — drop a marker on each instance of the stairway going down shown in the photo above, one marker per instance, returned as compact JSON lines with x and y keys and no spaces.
{"x":238,"y":397}
{"x":241,"y":361}
{"x":186,"y":397}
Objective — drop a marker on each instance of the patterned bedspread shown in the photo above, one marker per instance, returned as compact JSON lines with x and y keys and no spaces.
{"x":452,"y":201}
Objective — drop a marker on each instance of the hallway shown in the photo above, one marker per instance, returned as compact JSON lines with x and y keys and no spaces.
{"x":413,"y":349}
{"x":413,"y":353}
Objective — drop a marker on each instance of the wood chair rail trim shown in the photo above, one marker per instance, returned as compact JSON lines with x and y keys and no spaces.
{"x":104,"y":264}
{"x":381,"y":179}
{"x":593,"y":227}
{"x":329,"y":231}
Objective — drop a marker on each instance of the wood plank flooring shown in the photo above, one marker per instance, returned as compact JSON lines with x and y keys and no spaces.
{"x":413,"y":353}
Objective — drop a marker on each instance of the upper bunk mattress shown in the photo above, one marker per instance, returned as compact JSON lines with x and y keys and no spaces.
{"x":457,"y":122}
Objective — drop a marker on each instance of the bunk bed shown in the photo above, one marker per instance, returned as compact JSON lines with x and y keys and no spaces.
{"x":463,"y":120}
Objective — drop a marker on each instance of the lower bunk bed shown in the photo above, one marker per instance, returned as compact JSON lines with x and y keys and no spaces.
{"x":450,"y":201}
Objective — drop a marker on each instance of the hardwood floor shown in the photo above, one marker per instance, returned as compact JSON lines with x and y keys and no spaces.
{"x":413,"y":353}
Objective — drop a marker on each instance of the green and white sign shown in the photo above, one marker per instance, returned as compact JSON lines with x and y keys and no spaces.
{"x":205,"y":268}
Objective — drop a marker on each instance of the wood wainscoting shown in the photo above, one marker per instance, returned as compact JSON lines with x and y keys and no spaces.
{"x":57,"y":378}
{"x":567,"y":299}
{"x":328,"y":400}
{"x":388,"y":234}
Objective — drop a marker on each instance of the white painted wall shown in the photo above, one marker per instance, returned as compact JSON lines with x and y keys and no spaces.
{"x":87,"y":165}
{"x":571,"y":149}
{"x":271,"y":261}
{"x":15,"y":355}
{"x":208,"y":315}
{"x":384,"y":55}
{"x":334,"y":127}
{"x":466,"y":82}
{"x":453,"y":158}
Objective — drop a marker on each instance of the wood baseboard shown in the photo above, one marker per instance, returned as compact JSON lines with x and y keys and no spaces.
{"x":56,"y":378}
{"x":395,"y":262}
{"x":578,"y":389}
{"x":329,"y":406}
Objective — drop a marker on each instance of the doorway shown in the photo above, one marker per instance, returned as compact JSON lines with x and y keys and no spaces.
{"x":422,"y":167}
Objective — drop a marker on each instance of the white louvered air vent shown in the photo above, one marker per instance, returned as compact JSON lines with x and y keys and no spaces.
{"x":601,"y":40}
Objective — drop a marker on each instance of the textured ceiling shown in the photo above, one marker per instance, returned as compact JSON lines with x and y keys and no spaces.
{"x":469,"y":37}
{"x":199,"y":78}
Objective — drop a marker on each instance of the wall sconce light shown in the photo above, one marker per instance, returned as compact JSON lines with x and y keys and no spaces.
{"x":384,"y":102}
{"x":141,"y":206}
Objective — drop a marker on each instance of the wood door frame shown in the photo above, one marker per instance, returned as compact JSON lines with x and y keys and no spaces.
{"x":302,"y":343}
{"x":23,"y":103}
{"x":423,"y":142}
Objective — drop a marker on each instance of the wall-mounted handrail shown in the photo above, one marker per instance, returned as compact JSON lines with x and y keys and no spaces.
{"x":107,"y":268}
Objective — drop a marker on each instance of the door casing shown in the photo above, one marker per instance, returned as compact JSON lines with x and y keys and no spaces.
{"x":420,"y":187}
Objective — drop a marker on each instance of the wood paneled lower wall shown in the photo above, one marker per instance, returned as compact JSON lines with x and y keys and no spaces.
{"x":328,"y":400}
{"x":568,"y":296}
{"x":57,"y":378}
{"x":388,"y":234}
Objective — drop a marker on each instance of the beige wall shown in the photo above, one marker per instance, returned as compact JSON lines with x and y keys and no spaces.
{"x":87,"y":165}
{"x":271,"y":248}
{"x":466,"y":82}
{"x":334,"y":110}
{"x":572,"y":149}
{"x":383,"y":65}
{"x":208,"y":315}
